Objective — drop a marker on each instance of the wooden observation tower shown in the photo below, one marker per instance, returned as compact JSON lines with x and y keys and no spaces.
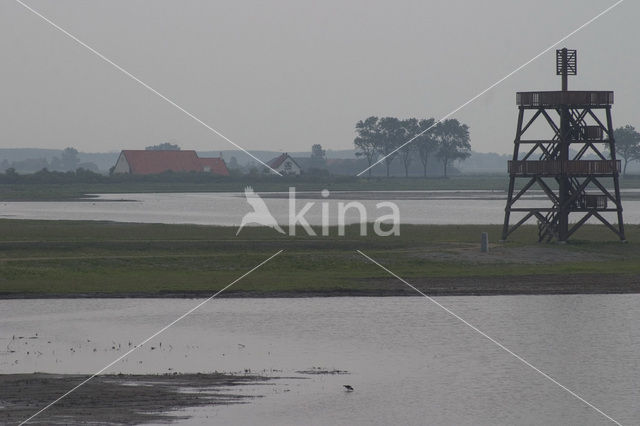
{"x":571,"y":166}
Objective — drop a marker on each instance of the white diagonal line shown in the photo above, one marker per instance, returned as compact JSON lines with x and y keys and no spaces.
{"x":494,"y":85}
{"x":142,"y":83}
{"x":494,"y":341}
{"x":163,"y":329}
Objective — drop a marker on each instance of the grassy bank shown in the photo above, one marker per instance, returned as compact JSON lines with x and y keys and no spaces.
{"x":72,"y":258}
{"x":70,"y":191}
{"x":67,"y":191}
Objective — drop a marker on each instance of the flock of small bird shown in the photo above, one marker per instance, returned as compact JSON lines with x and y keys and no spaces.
{"x":20,"y":344}
{"x":15,"y":340}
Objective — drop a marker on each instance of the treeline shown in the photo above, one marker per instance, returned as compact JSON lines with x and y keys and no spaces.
{"x":10,"y":176}
{"x":81,"y":175}
{"x":385,"y":138}
{"x":67,"y":161}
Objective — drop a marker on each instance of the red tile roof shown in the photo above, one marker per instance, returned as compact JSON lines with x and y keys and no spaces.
{"x":216,"y":166}
{"x":145,"y":162}
{"x":276,"y":162}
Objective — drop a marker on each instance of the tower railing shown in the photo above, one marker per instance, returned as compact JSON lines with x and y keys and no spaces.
{"x":558,"y":167}
{"x":570,"y":98}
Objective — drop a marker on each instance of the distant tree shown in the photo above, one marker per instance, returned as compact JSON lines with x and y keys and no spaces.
{"x":453,"y":142}
{"x":316,"y":172}
{"x":253,"y":169}
{"x":56,"y":164}
{"x":69,"y":159}
{"x":166,"y":146}
{"x":89,"y":166}
{"x":233,"y":163}
{"x":11,"y":172}
{"x":627,"y":145}
{"x":318,"y":159}
{"x":425,"y":144}
{"x":317,"y":152}
{"x":392,"y":135}
{"x":10,"y":176}
{"x":408,"y":152}
{"x":367,"y":141}
{"x":86,"y":175}
{"x":234,"y":167}
{"x":30,"y":165}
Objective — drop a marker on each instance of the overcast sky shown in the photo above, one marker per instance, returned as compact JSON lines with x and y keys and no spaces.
{"x":283,"y":75}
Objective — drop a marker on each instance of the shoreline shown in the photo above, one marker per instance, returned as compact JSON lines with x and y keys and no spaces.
{"x":140,"y":398}
{"x":518,"y":285}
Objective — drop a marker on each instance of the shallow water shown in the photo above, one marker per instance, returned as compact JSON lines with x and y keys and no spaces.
{"x":409,"y":361}
{"x":434,"y":207}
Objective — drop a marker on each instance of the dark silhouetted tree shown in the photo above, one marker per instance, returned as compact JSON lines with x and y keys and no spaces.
{"x":627,"y":145}
{"x":11,"y":175}
{"x":69,"y":159}
{"x":166,"y":146}
{"x":408,"y":152}
{"x":426,"y":145}
{"x":392,"y":135}
{"x":233,"y":163}
{"x":367,"y":141}
{"x":318,"y":159}
{"x":453,"y":142}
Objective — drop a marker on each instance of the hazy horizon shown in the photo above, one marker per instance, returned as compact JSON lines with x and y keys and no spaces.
{"x":284,"y":75}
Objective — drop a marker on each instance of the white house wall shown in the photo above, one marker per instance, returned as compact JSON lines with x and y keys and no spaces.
{"x":122,"y":166}
{"x":293,"y":170}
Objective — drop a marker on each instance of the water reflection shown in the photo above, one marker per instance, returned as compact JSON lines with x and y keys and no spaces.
{"x":227,"y":209}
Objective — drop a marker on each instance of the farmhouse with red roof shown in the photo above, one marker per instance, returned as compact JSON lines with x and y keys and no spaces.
{"x":148,"y":162}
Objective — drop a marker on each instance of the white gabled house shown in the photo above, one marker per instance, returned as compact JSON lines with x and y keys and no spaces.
{"x":285,"y":164}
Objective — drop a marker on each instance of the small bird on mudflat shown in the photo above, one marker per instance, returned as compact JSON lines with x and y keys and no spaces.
{"x":348,"y":388}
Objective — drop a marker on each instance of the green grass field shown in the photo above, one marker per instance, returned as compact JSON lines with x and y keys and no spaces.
{"x":67,"y":257}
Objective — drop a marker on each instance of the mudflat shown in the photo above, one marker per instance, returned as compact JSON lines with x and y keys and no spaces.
{"x":116,"y":399}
